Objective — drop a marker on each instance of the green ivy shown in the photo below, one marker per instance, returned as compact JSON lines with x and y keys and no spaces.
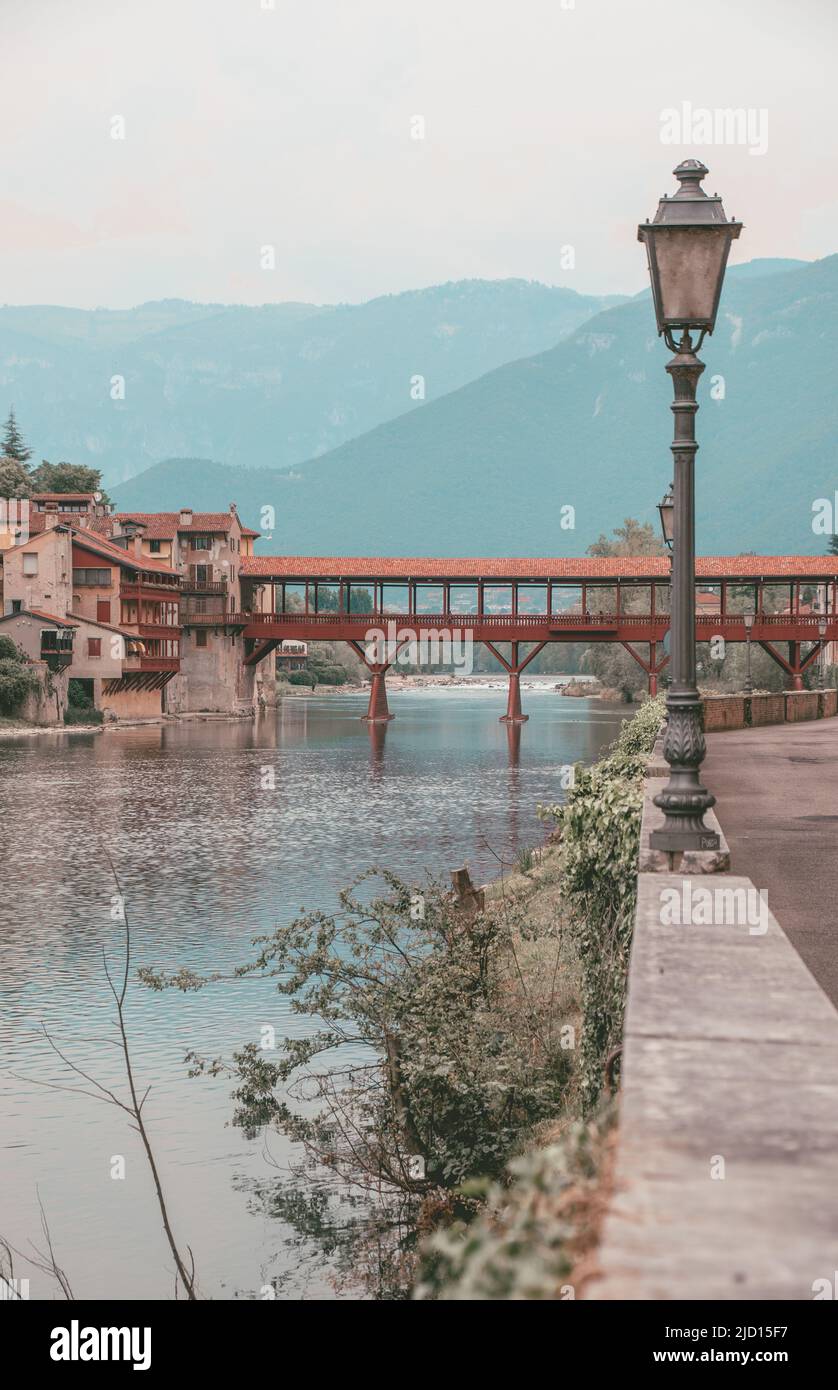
{"x":600,"y":833}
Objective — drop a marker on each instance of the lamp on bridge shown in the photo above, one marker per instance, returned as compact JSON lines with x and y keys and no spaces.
{"x":666,"y":507}
{"x":748,"y":620}
{"x":687,"y":247}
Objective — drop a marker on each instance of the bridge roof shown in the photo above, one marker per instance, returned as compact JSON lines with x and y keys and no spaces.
{"x":707,"y":567}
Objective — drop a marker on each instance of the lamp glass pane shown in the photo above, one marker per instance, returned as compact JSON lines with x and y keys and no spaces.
{"x":690,"y":264}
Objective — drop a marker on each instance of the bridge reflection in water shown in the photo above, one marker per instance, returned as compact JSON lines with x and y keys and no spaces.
{"x":526,"y":603}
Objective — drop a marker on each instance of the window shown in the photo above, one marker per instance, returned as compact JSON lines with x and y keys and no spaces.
{"x":154,"y":547}
{"x":201,"y":638}
{"x":94,"y":579}
{"x":30,"y":563}
{"x":94,"y":646}
{"x":201,"y":543}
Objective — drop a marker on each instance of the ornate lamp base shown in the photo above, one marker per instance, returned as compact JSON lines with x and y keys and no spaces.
{"x":684,"y":800}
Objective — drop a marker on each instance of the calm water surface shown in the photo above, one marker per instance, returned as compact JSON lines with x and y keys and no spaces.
{"x":208,"y":858}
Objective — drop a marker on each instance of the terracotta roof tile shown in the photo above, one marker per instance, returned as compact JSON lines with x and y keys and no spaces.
{"x":707,"y":567}
{"x":98,"y":545}
{"x":40,"y":614}
{"x":165,"y":525}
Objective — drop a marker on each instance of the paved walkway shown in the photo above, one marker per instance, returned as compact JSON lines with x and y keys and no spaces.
{"x":776,"y":795}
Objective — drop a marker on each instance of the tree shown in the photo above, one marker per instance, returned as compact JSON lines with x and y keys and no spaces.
{"x":832,"y":548}
{"x":14,"y":444}
{"x":631,"y":538}
{"x":612,"y":665}
{"x":14,"y":479}
{"x":67,"y":477}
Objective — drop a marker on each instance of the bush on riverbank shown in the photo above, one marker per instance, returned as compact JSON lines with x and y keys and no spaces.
{"x":538,"y":1227}
{"x":17,"y":679}
{"x":599,"y":830}
{"x":80,"y":707}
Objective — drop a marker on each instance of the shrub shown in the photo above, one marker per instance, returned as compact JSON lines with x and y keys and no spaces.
{"x":300,"y":678}
{"x":78,"y":697}
{"x":17,"y":681}
{"x":9,"y":650}
{"x":88,"y":715}
{"x":331,"y":675}
{"x":532,"y":1229}
{"x":600,"y":834}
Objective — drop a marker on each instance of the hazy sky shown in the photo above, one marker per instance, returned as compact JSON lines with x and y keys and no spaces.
{"x":290,"y":126}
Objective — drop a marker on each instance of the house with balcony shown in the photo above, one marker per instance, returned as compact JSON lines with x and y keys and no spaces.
{"x":124,"y":609}
{"x":206,"y":550}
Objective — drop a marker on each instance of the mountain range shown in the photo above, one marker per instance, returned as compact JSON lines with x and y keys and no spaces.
{"x":268,"y":386}
{"x":493,"y":466}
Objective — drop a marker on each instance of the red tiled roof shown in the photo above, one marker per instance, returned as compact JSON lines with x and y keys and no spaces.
{"x":165,"y":525}
{"x":40,"y":614}
{"x":707,"y":567}
{"x":88,"y":540}
{"x":38,"y":520}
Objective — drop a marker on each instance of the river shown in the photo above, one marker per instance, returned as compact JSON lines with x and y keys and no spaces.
{"x":217,"y":830}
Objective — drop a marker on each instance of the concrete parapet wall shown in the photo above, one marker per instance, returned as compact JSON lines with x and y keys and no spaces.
{"x":724,"y":1184}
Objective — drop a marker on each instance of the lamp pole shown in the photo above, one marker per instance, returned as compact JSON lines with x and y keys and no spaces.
{"x":822,"y":627}
{"x":749,"y":622}
{"x":687,"y":246}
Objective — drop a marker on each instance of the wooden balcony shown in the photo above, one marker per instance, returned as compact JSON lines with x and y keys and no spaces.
{"x":189,"y":618}
{"x":133,"y":662}
{"x":203,"y":586}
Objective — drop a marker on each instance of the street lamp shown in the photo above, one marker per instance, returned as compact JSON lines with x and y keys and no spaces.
{"x":748,"y":619}
{"x":666,"y":507}
{"x":822,"y":626}
{"x":687,"y":247}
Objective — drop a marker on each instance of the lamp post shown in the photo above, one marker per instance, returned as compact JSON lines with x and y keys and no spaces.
{"x":666,"y":507}
{"x":687,"y":247}
{"x":748,"y":619}
{"x":822,"y":626}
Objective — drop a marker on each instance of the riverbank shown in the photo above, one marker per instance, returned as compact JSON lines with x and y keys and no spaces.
{"x":537,"y":1232}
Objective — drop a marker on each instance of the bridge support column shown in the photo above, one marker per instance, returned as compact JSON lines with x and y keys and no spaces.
{"x":795,"y":673}
{"x":652,"y":667}
{"x":378,"y":711}
{"x":796,"y":664}
{"x":514,"y":713}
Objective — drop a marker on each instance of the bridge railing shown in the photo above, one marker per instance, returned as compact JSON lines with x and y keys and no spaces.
{"x":520,"y":620}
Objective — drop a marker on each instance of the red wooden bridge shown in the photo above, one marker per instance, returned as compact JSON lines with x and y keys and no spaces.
{"x":527,"y":603}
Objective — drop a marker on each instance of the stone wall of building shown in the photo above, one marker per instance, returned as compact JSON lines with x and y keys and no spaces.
{"x":133,"y":704}
{"x":46,"y":706}
{"x":213,"y":678}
